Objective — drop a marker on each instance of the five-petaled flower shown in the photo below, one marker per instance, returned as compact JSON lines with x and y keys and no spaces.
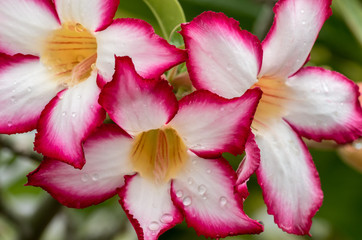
{"x":169,"y":154}
{"x":311,"y":102}
{"x":55,"y":57}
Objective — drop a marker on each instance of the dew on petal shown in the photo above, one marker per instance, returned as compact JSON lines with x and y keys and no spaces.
{"x":10,"y":123}
{"x":302,"y":11}
{"x":95,"y":177}
{"x":85,"y":177}
{"x":202,"y":189}
{"x":223,"y":201}
{"x":74,"y":114}
{"x":64,"y":114}
{"x":190,"y":181}
{"x":303,"y":22}
{"x":187,"y":201}
{"x":166,"y":218}
{"x":179,"y":194}
{"x":154,"y":226}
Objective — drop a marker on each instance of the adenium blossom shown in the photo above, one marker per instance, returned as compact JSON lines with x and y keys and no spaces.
{"x":164,"y":162}
{"x":297,"y":101}
{"x":55,"y":56}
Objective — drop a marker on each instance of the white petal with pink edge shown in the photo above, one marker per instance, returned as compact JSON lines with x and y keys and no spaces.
{"x":222,"y":58}
{"x":151,"y":54}
{"x":324,"y":105}
{"x":26,"y":88}
{"x":288,"y":178}
{"x":67,"y":120}
{"x":204,"y":191}
{"x":211,"y":125}
{"x":136,"y":104}
{"x":92,"y":14}
{"x":107,"y":152}
{"x":251,"y":160}
{"x":149,"y":207}
{"x":294,"y":31}
{"x":25,"y":24}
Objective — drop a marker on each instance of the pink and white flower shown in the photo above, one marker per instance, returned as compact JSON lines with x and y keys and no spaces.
{"x":297,"y":101}
{"x":55,"y":56}
{"x":165,"y":163}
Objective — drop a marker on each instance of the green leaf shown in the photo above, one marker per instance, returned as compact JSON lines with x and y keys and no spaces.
{"x":351,"y":11}
{"x":169,"y":15}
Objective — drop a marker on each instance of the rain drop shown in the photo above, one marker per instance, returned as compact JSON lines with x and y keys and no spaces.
{"x":79,"y":27}
{"x":85,"y":177}
{"x":10,"y":123}
{"x":202,"y":189}
{"x":154,"y":226}
{"x":166,"y":218}
{"x":95,"y":177}
{"x":187,"y":201}
{"x":64,"y":114}
{"x":74,"y":114}
{"x":302,"y":11}
{"x":303,"y":22}
{"x":79,"y":96}
{"x":190,"y":181}
{"x":179,"y":194}
{"x":223,"y":201}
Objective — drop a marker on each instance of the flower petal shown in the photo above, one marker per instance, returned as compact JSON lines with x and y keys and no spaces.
{"x":251,"y":161}
{"x":211,"y":125}
{"x":106,"y":152}
{"x":324,"y":105}
{"x":67,"y":120}
{"x":137,"y":104}
{"x":294,"y":31}
{"x":151,"y":54}
{"x":92,"y":14}
{"x":148,"y":207}
{"x":288,"y":178}
{"x":26,"y":88}
{"x":222,"y":58}
{"x":204,"y":191}
{"x":24,"y":25}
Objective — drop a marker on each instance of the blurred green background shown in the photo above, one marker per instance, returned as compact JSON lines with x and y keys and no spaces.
{"x":25,"y":210}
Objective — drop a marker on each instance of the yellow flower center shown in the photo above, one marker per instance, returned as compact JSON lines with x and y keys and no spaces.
{"x":275,"y":94}
{"x":158,"y":154}
{"x":70,"y":52}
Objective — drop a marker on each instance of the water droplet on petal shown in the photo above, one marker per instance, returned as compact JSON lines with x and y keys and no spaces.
{"x":85,"y":177}
{"x":79,"y":96}
{"x":95,"y":177}
{"x":154,"y":226}
{"x":223,"y":201}
{"x":222,"y":109}
{"x":229,"y":67}
{"x":92,"y":106}
{"x":64,"y":114}
{"x":202,"y":189}
{"x":179,"y":194}
{"x":187,"y":201}
{"x":303,"y":22}
{"x":208,"y":171}
{"x":74,"y":114}
{"x":78,"y":27}
{"x":10,"y":123}
{"x":190,"y":181}
{"x":302,"y":11}
{"x":166,"y":218}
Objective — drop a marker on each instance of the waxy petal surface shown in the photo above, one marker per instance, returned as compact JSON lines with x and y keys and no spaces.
{"x":25,"y":24}
{"x":149,"y":207}
{"x":98,"y":180}
{"x":211,"y":125}
{"x":26,"y":88}
{"x":324,"y":105}
{"x":92,"y":14}
{"x":292,"y":36}
{"x":151,"y":54}
{"x":222,"y":58}
{"x":67,"y":120}
{"x":288,"y":178}
{"x":137,"y":104}
{"x":204,"y":191}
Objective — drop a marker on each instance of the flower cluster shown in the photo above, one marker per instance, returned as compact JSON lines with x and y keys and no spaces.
{"x":65,"y":64}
